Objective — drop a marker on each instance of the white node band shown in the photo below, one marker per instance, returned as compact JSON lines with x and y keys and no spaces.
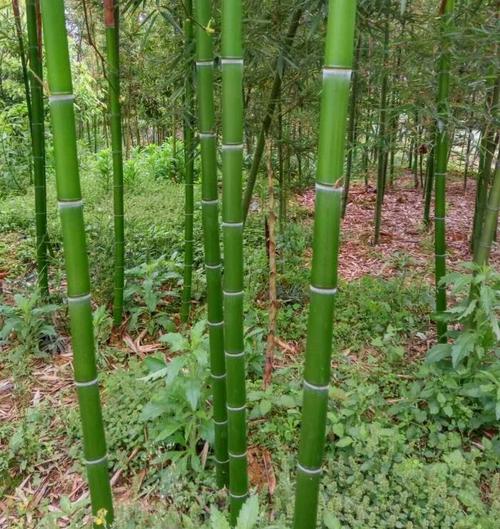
{"x":213,"y":267}
{"x":238,"y":496}
{"x":310,"y":471}
{"x":210,"y":202}
{"x":342,"y":73}
{"x":218,"y":377}
{"x":215,"y":323}
{"x":238,"y":456}
{"x":324,"y":291}
{"x":78,"y":299}
{"x":229,"y":294}
{"x":232,"y":224}
{"x":232,"y":146}
{"x":97,"y":461}
{"x":220,"y":423}
{"x":240,"y":408}
{"x":234,"y":355}
{"x":221,"y":462}
{"x":314,"y":387}
{"x":327,"y":187}
{"x":86,"y":384}
{"x":54,"y":98}
{"x":231,"y":61}
{"x":70,"y":204}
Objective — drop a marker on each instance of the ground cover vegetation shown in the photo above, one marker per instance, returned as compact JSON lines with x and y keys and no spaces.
{"x":285,"y":215}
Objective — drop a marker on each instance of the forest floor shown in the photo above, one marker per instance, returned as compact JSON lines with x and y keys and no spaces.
{"x":403,"y":238}
{"x":55,"y":482}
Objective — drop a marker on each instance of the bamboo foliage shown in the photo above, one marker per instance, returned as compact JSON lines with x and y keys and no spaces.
{"x":111,"y":22}
{"x":210,"y":220}
{"x":232,"y":216}
{"x":441,"y":163}
{"x":69,"y":196}
{"x":333,"y":117}
{"x":38,"y":143}
{"x":188,"y":161}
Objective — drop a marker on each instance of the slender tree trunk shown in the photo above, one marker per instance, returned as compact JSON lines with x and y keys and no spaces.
{"x":487,"y":152}
{"x":488,"y":229}
{"x":111,"y":23}
{"x":38,"y":144}
{"x":382,"y":139}
{"x":271,"y":105}
{"x":22,"y":56}
{"x":333,"y":118}
{"x":467,"y":157}
{"x":75,"y":250}
{"x":429,"y":186}
{"x":352,"y":127}
{"x":232,"y":216}
{"x":210,"y":220}
{"x":441,"y":162}
{"x":188,"y":162}
{"x":271,"y":250}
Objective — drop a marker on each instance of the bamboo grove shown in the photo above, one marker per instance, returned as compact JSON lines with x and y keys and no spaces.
{"x":365,"y":124}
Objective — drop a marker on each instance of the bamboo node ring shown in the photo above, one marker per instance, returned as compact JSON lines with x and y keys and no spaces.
{"x":97,"y":461}
{"x":311,"y":471}
{"x":324,"y":291}
{"x":86,"y":384}
{"x":314,"y":387}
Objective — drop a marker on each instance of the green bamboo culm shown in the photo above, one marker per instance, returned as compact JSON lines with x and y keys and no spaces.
{"x":188,"y":161}
{"x":61,"y":102}
{"x":38,"y":144}
{"x":333,"y":119}
{"x":232,"y":216}
{"x":111,"y":23}
{"x":382,"y":148}
{"x":210,"y":220}
{"x":441,"y":162}
{"x":487,"y":148}
{"x":22,"y":55}
{"x":483,"y":249}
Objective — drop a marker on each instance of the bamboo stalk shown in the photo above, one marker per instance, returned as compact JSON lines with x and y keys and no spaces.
{"x":487,"y":147}
{"x":22,"y":55}
{"x":38,"y":145}
{"x":482,"y":254}
{"x":333,"y":117}
{"x":232,"y":216}
{"x":111,"y":23}
{"x":351,"y":133}
{"x":61,"y":102}
{"x":382,"y":165}
{"x":188,"y":162}
{"x":271,"y":250}
{"x":210,"y":220}
{"x":441,"y":163}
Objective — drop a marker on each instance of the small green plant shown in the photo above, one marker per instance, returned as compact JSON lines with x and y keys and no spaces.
{"x":177,"y":417}
{"x":28,"y":325}
{"x":148,"y":287}
{"x":472,"y":356}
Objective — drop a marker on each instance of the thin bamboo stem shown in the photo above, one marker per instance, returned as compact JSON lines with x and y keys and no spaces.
{"x":210,"y":220}
{"x":188,"y":161}
{"x":333,"y":119}
{"x":61,"y":102}
{"x":232,"y":216}
{"x":441,"y":163}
